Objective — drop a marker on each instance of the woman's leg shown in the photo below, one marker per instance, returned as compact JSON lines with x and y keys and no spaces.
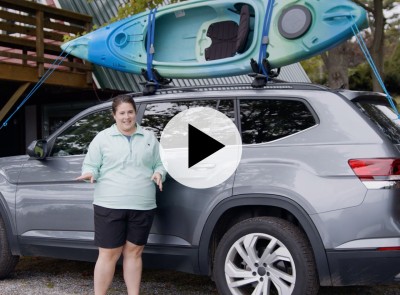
{"x":105,"y":268}
{"x":132,"y":267}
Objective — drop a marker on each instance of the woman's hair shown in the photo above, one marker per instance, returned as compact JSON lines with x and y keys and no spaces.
{"x":123,"y":98}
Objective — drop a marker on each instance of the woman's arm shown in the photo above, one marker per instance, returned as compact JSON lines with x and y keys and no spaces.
{"x":92,"y":162}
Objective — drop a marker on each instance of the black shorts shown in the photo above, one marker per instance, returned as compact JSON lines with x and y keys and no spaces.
{"x":113,"y":227}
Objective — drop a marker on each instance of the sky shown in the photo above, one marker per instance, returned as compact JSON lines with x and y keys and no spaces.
{"x":390,"y":13}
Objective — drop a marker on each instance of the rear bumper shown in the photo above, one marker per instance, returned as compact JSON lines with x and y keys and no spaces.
{"x":367,"y":267}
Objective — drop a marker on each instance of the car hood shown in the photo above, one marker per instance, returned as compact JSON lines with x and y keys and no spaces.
{"x":10,"y":167}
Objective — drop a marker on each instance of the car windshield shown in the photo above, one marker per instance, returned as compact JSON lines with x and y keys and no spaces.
{"x":384,"y":117}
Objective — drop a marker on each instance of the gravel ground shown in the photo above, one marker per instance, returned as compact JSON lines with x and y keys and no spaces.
{"x":44,"y":276}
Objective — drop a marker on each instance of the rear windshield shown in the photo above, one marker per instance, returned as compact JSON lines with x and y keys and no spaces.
{"x":384,"y":117}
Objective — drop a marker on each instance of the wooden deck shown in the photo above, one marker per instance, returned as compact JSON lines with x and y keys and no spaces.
{"x":30,"y":38}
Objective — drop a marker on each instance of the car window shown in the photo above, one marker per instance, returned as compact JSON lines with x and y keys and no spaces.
{"x":75,"y":139}
{"x":384,"y":117}
{"x":264,"y":120}
{"x":157,"y":115}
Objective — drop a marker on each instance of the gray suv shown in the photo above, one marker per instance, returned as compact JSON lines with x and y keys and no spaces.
{"x":314,"y":201}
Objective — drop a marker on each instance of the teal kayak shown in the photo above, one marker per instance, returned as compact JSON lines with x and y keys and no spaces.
{"x":203,"y":38}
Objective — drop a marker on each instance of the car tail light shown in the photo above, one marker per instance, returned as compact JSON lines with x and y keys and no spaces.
{"x":377,"y":173}
{"x":389,"y":249}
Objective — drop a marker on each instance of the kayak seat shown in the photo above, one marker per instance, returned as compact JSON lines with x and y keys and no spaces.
{"x":228,"y":38}
{"x":223,"y":37}
{"x":244,"y":29}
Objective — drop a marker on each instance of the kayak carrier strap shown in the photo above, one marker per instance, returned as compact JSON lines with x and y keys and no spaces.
{"x":262,"y":73}
{"x":153,"y":81}
{"x":364,"y":49}
{"x":151,"y":23}
{"x":263,"y":54}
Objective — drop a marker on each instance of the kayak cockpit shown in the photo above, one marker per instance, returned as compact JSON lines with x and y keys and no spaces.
{"x":227,"y":37}
{"x":204,"y":33}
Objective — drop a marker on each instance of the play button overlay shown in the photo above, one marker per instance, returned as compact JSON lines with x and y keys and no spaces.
{"x":200,"y":147}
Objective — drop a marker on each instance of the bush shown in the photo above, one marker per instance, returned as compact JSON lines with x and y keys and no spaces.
{"x":360,"y":77}
{"x":392,"y":70}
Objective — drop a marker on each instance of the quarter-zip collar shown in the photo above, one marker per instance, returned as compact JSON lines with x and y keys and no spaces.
{"x":115,"y":132}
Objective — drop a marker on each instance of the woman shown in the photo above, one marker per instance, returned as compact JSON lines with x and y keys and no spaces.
{"x":124,"y":162}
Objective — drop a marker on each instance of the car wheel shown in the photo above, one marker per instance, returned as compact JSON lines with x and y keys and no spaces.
{"x":265,"y":255}
{"x":7,"y":260}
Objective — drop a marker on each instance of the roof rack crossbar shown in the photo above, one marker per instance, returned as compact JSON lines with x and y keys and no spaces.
{"x":274,"y":84}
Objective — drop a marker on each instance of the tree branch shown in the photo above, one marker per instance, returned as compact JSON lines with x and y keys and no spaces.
{"x":367,"y":8}
{"x":325,"y":59}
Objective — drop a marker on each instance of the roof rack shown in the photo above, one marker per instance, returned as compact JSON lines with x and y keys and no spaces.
{"x":264,"y":77}
{"x":274,"y":84}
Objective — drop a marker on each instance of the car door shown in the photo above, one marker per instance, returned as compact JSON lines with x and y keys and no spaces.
{"x":51,"y":206}
{"x":181,"y":210}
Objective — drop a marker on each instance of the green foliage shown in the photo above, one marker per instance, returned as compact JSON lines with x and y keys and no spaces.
{"x":67,"y":38}
{"x":315,"y":69}
{"x":392,"y":69}
{"x":360,"y":77}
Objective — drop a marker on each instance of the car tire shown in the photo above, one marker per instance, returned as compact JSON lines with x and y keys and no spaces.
{"x":263,"y":254}
{"x":7,"y":260}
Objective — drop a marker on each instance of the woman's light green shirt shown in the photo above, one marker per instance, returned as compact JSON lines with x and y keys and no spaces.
{"x":123,"y":169}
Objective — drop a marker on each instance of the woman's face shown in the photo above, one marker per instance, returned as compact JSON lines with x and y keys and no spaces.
{"x":125,"y":117}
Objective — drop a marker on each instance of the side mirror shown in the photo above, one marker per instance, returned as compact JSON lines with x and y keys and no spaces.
{"x":37,"y":149}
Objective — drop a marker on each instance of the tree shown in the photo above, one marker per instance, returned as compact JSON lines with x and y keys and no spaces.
{"x":337,"y":62}
{"x":315,"y":69}
{"x":377,"y":49}
{"x":392,"y":66}
{"x":375,"y":41}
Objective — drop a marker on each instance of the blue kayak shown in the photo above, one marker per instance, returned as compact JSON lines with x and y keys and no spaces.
{"x":203,"y":38}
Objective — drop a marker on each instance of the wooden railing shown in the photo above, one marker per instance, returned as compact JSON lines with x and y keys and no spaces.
{"x":30,"y":39}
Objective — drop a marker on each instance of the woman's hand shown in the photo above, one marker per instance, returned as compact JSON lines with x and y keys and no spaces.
{"x":157,"y":179}
{"x":86,"y":176}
